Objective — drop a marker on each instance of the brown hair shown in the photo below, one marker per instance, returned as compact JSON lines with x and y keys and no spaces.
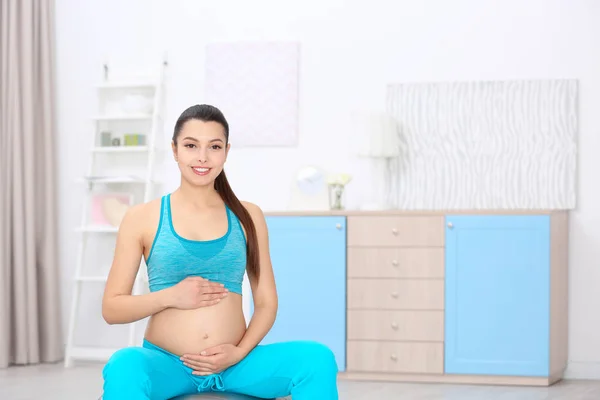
{"x":208,"y":113}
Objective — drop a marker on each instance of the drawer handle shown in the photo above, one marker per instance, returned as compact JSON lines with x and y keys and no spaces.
{"x":338,"y":226}
{"x":394,"y":231}
{"x":393,"y":357}
{"x":394,"y":326}
{"x":450,"y":225}
{"x":395,"y":263}
{"x":394,"y":295}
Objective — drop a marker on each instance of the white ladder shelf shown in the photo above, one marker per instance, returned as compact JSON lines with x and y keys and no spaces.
{"x":87,"y":230}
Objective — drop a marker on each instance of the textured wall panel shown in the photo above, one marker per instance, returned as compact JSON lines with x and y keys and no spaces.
{"x":255,"y":84}
{"x":490,"y":145}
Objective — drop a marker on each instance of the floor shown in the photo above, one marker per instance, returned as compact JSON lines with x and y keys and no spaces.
{"x":84,"y":382}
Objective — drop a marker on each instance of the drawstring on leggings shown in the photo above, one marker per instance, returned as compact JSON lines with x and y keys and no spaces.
{"x":213,"y":382}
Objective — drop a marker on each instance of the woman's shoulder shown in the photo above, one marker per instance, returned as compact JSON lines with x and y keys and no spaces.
{"x":256,"y":213}
{"x":146,"y":209}
{"x":143,"y":214}
{"x":253,"y":209}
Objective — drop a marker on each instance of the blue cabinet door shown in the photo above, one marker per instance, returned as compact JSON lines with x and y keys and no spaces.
{"x":497,"y":295}
{"x":308,"y":254}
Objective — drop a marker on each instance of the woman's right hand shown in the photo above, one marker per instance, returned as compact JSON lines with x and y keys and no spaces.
{"x":195,"y":292}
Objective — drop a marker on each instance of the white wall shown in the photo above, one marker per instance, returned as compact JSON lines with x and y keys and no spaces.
{"x":350,"y":51}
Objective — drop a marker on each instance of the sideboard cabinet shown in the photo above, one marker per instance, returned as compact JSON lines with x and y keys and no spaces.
{"x":469,"y":297}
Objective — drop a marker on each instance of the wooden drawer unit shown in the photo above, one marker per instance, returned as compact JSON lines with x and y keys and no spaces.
{"x":390,"y":262}
{"x":399,"y":357}
{"x":395,"y":317}
{"x":395,"y":325}
{"x":385,"y":231}
{"x":396,"y":294}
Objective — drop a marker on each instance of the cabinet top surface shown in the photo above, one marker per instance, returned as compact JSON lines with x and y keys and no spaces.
{"x":399,"y":212}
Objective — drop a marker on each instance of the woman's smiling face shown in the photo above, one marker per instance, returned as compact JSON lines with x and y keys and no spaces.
{"x":201,"y":151}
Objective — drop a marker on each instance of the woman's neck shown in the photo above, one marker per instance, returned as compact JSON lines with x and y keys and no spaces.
{"x":197,"y":196}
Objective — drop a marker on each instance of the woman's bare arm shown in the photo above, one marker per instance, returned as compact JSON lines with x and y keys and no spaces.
{"x":264,"y":291}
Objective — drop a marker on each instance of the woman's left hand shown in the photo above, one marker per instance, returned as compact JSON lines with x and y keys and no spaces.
{"x":213,"y":360}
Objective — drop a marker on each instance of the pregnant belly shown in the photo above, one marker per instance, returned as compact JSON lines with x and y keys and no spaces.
{"x":191,"y":331}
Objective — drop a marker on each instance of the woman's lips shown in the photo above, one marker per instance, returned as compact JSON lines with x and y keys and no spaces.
{"x":201,"y":170}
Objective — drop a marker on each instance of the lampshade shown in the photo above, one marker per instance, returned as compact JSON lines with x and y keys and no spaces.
{"x":376,"y":135}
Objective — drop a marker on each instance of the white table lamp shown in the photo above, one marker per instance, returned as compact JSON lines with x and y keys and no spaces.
{"x":378,"y":137}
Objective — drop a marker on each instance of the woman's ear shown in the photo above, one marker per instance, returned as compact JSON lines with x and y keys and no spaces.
{"x":174,"y":148}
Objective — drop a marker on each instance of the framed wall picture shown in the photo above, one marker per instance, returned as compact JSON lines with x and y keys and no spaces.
{"x":486,"y":144}
{"x":255,"y":84}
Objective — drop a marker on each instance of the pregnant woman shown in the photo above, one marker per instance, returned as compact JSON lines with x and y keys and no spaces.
{"x":197,"y":243}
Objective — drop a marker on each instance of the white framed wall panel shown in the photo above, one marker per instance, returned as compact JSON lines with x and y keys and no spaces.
{"x":486,"y":145}
{"x":255,"y":84}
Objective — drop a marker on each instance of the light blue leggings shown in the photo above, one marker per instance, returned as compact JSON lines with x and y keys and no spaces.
{"x":306,"y":370}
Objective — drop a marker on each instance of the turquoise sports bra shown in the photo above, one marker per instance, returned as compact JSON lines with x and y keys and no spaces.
{"x":172,"y":258}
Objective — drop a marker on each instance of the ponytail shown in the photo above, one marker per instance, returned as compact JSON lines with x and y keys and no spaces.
{"x":224,"y":189}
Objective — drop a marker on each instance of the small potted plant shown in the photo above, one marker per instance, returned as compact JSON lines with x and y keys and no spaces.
{"x":336,"y":184}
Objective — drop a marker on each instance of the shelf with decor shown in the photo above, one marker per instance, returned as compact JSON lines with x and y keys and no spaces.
{"x":128,"y":122}
{"x":120,"y":149}
{"x":98,"y":229}
{"x":112,"y":179}
{"x":127,"y":85}
{"x":122,"y":117}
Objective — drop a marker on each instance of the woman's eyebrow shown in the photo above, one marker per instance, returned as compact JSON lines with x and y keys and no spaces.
{"x":196,"y":140}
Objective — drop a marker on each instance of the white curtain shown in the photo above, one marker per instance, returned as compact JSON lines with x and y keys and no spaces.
{"x":30,"y":321}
